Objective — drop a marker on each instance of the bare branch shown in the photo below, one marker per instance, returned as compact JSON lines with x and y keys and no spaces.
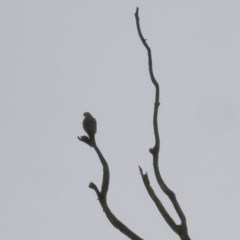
{"x":155,"y":149}
{"x":90,"y":127}
{"x":157,"y":202}
{"x":182,"y":229}
{"x":106,"y":173}
{"x":102,"y":195}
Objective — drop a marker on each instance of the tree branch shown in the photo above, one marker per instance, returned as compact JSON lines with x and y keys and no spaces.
{"x":157,"y":202}
{"x":182,"y":229}
{"x":102,"y":195}
{"x":155,"y":149}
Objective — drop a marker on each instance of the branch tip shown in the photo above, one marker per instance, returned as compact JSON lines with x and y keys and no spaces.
{"x":140,"y":170}
{"x":136,"y":13}
{"x":144,"y":176}
{"x":95,"y":188}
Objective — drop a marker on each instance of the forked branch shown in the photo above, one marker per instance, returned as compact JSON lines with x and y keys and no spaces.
{"x":90,"y":126}
{"x":181,"y":229}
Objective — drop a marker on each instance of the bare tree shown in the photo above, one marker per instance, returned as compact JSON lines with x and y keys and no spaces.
{"x":90,"y":126}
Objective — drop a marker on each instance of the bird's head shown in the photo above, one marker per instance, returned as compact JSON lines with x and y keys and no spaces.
{"x":87,"y":114}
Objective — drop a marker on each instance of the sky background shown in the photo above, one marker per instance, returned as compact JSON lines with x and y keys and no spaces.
{"x":62,"y":58}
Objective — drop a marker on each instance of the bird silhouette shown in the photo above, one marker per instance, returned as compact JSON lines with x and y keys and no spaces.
{"x":90,"y":125}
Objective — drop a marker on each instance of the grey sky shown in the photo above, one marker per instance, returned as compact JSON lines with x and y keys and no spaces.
{"x":62,"y":58}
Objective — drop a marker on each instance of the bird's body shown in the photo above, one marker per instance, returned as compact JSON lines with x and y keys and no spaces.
{"x":90,"y":125}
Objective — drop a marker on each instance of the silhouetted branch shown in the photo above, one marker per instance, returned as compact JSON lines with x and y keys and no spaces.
{"x":102,"y":195}
{"x":90,"y":127}
{"x":155,"y":149}
{"x":181,"y":230}
{"x":157,"y":202}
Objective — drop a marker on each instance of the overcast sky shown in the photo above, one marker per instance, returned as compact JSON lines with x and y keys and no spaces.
{"x":62,"y":58}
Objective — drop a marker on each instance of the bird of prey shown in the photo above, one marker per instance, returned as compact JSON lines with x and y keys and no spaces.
{"x":90,"y":125}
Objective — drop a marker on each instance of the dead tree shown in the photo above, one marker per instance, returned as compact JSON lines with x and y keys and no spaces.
{"x":90,"y":127}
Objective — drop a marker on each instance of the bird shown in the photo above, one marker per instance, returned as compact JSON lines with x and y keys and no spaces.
{"x":90,"y":125}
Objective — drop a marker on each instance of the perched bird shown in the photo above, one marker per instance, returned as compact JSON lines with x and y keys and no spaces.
{"x":90,"y":125}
